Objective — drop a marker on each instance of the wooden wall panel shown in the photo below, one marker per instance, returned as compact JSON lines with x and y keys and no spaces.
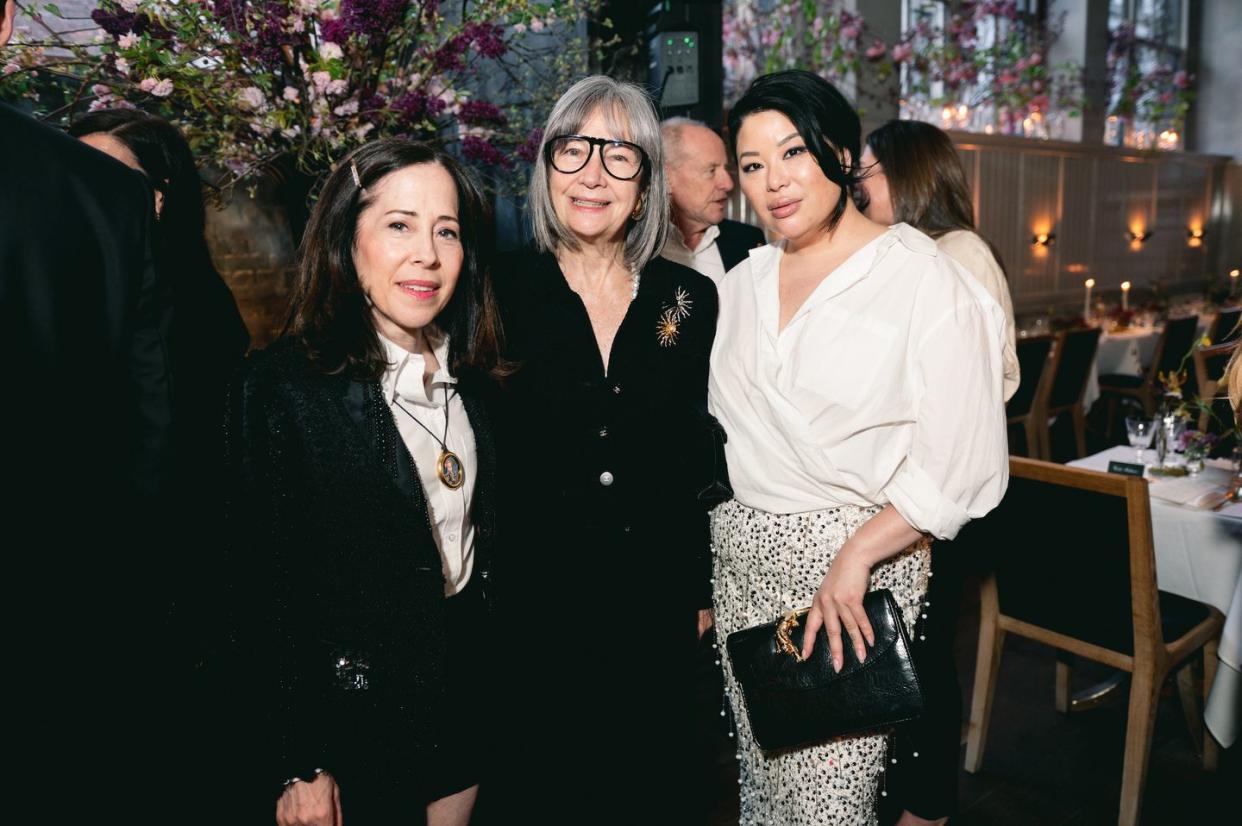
{"x":1076,"y":224}
{"x":1000,"y":195}
{"x":1040,"y":208}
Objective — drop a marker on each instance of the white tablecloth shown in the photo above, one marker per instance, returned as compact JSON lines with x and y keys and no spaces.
{"x":1122,"y":353}
{"x":1199,"y":556}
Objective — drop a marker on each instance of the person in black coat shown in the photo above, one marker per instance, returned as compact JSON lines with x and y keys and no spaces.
{"x":363,"y":496}
{"x":87,"y":428}
{"x":606,"y":448}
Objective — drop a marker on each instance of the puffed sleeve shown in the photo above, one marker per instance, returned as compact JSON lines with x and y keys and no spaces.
{"x":957,"y":467}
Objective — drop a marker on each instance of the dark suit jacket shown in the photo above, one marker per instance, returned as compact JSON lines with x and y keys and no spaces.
{"x":736,"y":240}
{"x":85,"y":423}
{"x":332,"y":556}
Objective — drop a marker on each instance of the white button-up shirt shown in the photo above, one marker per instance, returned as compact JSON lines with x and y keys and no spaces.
{"x":704,"y":258}
{"x":405,"y":383}
{"x":884,"y":387}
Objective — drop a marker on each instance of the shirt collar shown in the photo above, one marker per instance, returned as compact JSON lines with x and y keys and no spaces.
{"x":709,"y":238}
{"x":404,"y":376}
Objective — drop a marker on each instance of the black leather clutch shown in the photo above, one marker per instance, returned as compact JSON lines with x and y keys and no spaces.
{"x":791,"y":702}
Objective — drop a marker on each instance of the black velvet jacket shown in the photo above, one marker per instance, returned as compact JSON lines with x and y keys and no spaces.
{"x":337,"y":591}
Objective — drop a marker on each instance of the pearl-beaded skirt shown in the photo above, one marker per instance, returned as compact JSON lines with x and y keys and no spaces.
{"x":766,"y":564}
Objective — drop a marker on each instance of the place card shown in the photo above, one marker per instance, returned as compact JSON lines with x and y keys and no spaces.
{"x":1125,"y":468}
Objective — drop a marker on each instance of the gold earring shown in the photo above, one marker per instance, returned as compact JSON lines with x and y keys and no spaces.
{"x":640,"y":209}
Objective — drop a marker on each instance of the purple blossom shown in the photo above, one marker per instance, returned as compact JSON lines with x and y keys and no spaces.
{"x":528,"y":150}
{"x":119,"y":23}
{"x":487,"y":39}
{"x":480,"y":111}
{"x":480,"y":149}
{"x":367,"y":18}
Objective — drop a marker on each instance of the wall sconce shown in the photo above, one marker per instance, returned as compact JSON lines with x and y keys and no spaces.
{"x":1194,"y":237}
{"x":1138,"y":237}
{"x":1043,"y":239}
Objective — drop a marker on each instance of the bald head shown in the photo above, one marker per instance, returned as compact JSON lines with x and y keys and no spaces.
{"x":698,"y":176}
{"x":7,"y":12}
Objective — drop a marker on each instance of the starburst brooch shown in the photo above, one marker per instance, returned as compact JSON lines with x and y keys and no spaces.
{"x":667,"y":328}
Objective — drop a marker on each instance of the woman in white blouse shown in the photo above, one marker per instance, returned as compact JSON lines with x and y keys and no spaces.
{"x":857,"y":373}
{"x":912,"y":174}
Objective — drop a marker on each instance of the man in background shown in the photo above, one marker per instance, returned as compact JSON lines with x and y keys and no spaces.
{"x":699,"y":184}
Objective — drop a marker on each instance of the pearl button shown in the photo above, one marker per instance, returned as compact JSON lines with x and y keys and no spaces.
{"x":605,"y":478}
{"x":603,"y":432}
{"x":452,"y":537}
{"x":616,"y":388}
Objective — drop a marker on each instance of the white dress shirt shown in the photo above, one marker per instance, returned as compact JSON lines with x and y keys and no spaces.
{"x":704,"y":258}
{"x":405,"y":383}
{"x":885,"y":387}
{"x":972,"y":252}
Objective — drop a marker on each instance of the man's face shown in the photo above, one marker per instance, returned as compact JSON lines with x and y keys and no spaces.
{"x":700,"y":182}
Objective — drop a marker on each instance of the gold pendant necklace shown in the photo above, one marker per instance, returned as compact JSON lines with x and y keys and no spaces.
{"x":449,"y":469}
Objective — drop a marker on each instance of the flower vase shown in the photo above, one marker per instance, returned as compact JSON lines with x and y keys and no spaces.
{"x":1194,"y":462}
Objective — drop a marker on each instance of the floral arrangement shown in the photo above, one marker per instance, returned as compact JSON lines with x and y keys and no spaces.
{"x":985,"y":56}
{"x":1195,"y":444}
{"x":256,"y":82}
{"x":1160,"y":96}
{"x":989,"y":57}
{"x":821,"y":36}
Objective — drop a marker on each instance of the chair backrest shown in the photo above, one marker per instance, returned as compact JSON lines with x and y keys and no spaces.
{"x":1227,"y":326}
{"x":1209,"y":369}
{"x":1032,"y":362}
{"x":1076,"y":349}
{"x":1174,"y":345}
{"x":1072,"y":553}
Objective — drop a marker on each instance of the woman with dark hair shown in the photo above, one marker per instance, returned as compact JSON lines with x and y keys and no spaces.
{"x":361,"y":507}
{"x":857,"y":373}
{"x":912,"y":174}
{"x":606,"y":446}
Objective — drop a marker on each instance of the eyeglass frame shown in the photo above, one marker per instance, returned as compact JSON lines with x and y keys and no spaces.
{"x":644,"y":162}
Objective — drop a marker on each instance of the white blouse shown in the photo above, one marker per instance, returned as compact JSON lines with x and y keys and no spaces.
{"x":404,"y":382}
{"x":885,"y":387}
{"x":972,"y":252}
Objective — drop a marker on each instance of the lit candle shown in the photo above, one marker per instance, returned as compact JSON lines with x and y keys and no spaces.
{"x":1233,"y":282}
{"x":1086,"y":302}
{"x":1125,"y":295}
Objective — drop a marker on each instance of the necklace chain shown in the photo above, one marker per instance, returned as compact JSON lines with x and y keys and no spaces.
{"x":443,"y":442}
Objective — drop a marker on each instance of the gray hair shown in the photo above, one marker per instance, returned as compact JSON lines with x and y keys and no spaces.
{"x":671,"y":130}
{"x":631,"y":115}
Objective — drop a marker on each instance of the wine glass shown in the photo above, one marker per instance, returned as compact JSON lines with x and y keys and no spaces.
{"x":1141,"y":431}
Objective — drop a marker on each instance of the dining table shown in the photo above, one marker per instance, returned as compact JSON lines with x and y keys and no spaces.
{"x":1198,"y":548}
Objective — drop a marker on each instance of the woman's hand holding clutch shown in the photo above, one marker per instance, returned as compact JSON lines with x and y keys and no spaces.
{"x":310,"y":803}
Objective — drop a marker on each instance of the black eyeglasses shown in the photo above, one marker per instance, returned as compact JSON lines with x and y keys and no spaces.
{"x":570,"y":153}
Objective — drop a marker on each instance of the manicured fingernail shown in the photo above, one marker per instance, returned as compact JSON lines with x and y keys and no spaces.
{"x":836,"y":664}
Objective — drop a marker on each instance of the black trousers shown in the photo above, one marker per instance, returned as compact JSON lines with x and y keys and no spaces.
{"x":926,"y":785}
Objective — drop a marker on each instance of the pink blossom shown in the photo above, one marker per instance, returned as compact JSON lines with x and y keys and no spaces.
{"x":291,"y":132}
{"x":298,"y":25}
{"x":817,"y":26}
{"x":252,"y":96}
{"x":10,"y":68}
{"x":308,"y":6}
{"x":130,"y":6}
{"x":1035,"y":59}
{"x":349,"y":107}
{"x":876,"y":50}
{"x":331,"y":51}
{"x":290,"y":94}
{"x":337,"y":87}
{"x":99,"y":103}
{"x":163,"y":89}
{"x":148,"y":83}
{"x":127,"y":41}
{"x":1181,"y":80}
{"x":100,"y":90}
{"x":122,"y":66}
{"x":321,"y":81}
{"x":901,"y":52}
{"x":536,"y":25}
{"x":851,"y":32}
{"x":1007,"y":78}
{"x":519,"y":27}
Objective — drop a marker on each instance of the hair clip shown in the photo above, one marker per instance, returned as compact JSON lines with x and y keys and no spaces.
{"x":353,"y":170}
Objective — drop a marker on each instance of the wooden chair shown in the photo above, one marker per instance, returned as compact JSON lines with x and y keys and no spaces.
{"x":1026,"y":409}
{"x":1073,"y":360}
{"x":1174,"y":344}
{"x":1226,"y":326}
{"x":1074,"y":568}
{"x":1209,"y":370}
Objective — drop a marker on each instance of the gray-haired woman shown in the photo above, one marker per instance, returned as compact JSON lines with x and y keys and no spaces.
{"x":606,"y":456}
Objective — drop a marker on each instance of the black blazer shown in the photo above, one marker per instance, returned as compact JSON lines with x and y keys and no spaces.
{"x":736,"y":240}
{"x":86,"y":429}
{"x":332,"y":560}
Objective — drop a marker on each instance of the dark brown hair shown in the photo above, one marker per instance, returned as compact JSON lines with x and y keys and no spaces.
{"x":926,"y":181}
{"x":329,"y":313}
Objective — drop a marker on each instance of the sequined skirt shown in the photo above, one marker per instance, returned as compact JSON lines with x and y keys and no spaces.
{"x":764,"y":565}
